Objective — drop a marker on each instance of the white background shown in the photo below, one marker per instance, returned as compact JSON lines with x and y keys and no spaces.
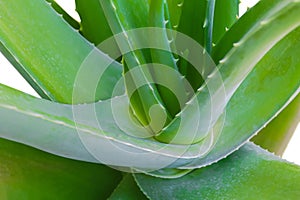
{"x":9,"y":76}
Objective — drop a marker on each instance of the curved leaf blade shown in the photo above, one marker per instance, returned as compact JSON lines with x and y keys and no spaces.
{"x":265,"y":80}
{"x":236,"y":66}
{"x":94,"y":25}
{"x":51,"y":53}
{"x":159,"y":17}
{"x":27,"y":173}
{"x":277,"y":134}
{"x":72,"y":131}
{"x":226,"y":14}
{"x":244,"y":174}
{"x":74,"y":23}
{"x":192,"y":9}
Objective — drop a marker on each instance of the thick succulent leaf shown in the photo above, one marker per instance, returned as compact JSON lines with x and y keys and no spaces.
{"x":94,"y":25}
{"x":88,"y":132}
{"x":242,"y":26}
{"x":159,"y":17}
{"x":88,"y":142}
{"x":220,"y":15}
{"x":127,"y":190}
{"x":123,"y":16}
{"x":249,"y":173}
{"x":195,"y":10}
{"x":276,"y":75}
{"x":51,"y":53}
{"x":277,"y":134}
{"x":75,"y":24}
{"x":66,"y":142}
{"x":260,"y":85}
{"x":21,"y":70}
{"x":208,"y":25}
{"x":28,"y":173}
{"x":226,"y":13}
{"x":235,"y":67}
{"x":174,"y":11}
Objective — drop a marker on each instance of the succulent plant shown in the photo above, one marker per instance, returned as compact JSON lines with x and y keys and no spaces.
{"x":158,"y":99}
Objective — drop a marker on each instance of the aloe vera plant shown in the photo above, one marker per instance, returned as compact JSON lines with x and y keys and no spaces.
{"x":150,"y":99}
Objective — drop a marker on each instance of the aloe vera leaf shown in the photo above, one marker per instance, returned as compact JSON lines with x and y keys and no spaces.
{"x":277,"y":134}
{"x":27,"y":173}
{"x":174,"y":10}
{"x":234,"y":68}
{"x":242,"y":26}
{"x":173,"y":100}
{"x":21,"y":70}
{"x":154,"y":153}
{"x":94,"y":25}
{"x":220,"y":15}
{"x":59,"y":117}
{"x":44,"y":63}
{"x":72,"y":131}
{"x":127,"y":189}
{"x":11,"y":101}
{"x":75,"y":24}
{"x":209,"y":25}
{"x":136,"y":15}
{"x":245,"y":174}
{"x":226,"y":13}
{"x":192,"y":10}
{"x":263,"y":92}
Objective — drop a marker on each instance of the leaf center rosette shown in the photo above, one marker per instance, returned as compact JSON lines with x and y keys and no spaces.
{"x":141,"y":134}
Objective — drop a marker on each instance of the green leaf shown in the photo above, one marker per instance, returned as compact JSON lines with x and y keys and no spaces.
{"x":234,"y":68}
{"x":122,"y":17}
{"x":51,"y":53}
{"x":28,"y":173}
{"x":176,"y":98}
{"x":127,"y":190}
{"x":242,"y":26}
{"x":77,"y":126}
{"x":22,"y":71}
{"x":94,"y":25}
{"x":75,"y":24}
{"x":258,"y":92}
{"x":220,"y":15}
{"x":249,"y":173}
{"x":225,"y":15}
{"x":277,"y":134}
{"x":195,"y":10}
{"x":72,"y":131}
{"x":208,"y":25}
{"x":174,"y":12}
